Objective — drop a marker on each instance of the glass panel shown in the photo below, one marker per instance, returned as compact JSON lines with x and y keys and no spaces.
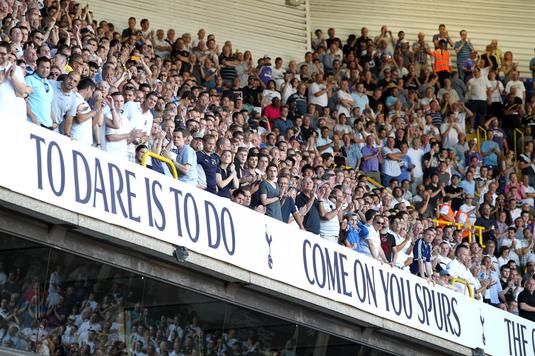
{"x":59,"y":303}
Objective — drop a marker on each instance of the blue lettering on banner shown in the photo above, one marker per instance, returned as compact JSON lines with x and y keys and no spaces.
{"x":397,"y":293}
{"x":113,"y":190}
{"x":187,"y":209}
{"x":516,"y":333}
{"x":38,"y":141}
{"x":131,"y":195}
{"x":328,"y":268}
{"x":159,"y":206}
{"x":177,"y":193}
{"x":325,"y":269}
{"x":49,"y":158}
{"x":229,"y":246}
{"x":100,"y":186}
{"x":116,"y":192}
{"x":76,"y":157}
{"x":152,"y":198}
{"x":364,"y":282}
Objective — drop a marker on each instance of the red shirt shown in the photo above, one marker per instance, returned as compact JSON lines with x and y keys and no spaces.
{"x":271,"y":113}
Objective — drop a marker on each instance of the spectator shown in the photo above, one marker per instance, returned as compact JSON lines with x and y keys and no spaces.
{"x":183,"y":157}
{"x":270,"y":193}
{"x":40,"y":100}
{"x":526,"y":300}
{"x":421,"y":264}
{"x":209,"y":162}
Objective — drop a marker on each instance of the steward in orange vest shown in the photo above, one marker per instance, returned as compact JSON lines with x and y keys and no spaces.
{"x":442,"y":61}
{"x":464,"y":219}
{"x":445,"y":213}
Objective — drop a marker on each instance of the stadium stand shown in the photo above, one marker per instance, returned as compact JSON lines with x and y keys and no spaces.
{"x":371,"y":142}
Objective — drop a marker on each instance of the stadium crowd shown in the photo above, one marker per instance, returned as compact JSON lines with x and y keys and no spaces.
{"x":299,"y":141}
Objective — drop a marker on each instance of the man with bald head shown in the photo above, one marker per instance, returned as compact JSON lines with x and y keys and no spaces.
{"x":64,"y":101}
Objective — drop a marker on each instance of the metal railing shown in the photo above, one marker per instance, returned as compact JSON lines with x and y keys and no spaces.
{"x":481,"y":134}
{"x":465,"y":283}
{"x":165,"y":160}
{"x":478,"y":230}
{"x":517,"y":133}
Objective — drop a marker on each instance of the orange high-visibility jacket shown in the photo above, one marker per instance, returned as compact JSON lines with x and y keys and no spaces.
{"x":442,"y":60}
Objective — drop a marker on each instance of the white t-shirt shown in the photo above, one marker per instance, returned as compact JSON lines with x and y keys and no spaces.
{"x":278,"y":76}
{"x":402,"y":255}
{"x":478,"y":88}
{"x":519,"y":85}
{"x":12,"y":107}
{"x":82,"y":131}
{"x":451,"y":139}
{"x":322,"y":142}
{"x":341,"y":109}
{"x":329,"y":227}
{"x":138,"y":119}
{"x":118,"y":148}
{"x":319,"y":100}
{"x":496,"y":93}
{"x":62,"y":103}
{"x":460,"y":120}
{"x":416,"y":159}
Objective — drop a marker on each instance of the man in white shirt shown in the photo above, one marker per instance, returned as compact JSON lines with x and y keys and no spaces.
{"x":458,"y":267}
{"x":82,"y":126}
{"x":390,"y":168}
{"x":118,"y":131}
{"x":360,"y":98}
{"x":374,"y":238}
{"x":140,"y":115}
{"x":318,"y":92}
{"x":415,"y":153}
{"x":324,"y":144}
{"x":450,"y":131}
{"x":514,"y":82}
{"x":345,"y":101}
{"x":12,"y":87}
{"x":477,"y":93}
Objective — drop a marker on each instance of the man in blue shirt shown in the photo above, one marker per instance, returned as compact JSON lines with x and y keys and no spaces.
{"x":185,"y":160}
{"x":490,"y":150}
{"x":40,"y":100}
{"x":209,"y":162}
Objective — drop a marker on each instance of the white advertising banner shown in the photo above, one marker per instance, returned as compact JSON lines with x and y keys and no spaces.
{"x":54,"y":169}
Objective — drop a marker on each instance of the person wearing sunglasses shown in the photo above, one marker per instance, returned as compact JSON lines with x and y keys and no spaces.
{"x":370,"y":244}
{"x":40,"y":100}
